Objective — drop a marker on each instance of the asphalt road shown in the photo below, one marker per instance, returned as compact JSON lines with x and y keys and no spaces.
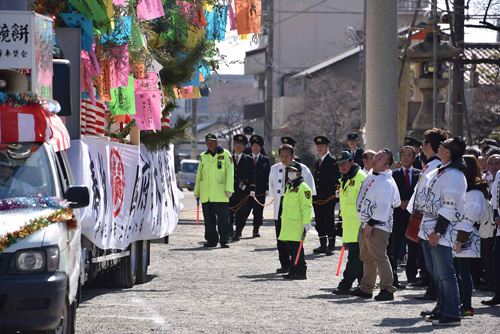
{"x":191,"y":289}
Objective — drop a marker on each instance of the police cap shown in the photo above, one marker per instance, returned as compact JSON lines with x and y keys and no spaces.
{"x":240,"y":139}
{"x":321,"y":140}
{"x":343,"y":156}
{"x":288,"y":140}
{"x":210,"y":136}
{"x":247,"y":129}
{"x":352,"y":136}
{"x":257,"y":139}
{"x":410,"y":141}
{"x":294,"y":165}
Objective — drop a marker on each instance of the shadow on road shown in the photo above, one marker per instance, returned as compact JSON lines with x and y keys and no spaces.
{"x":403,"y":322}
{"x":271,"y":249}
{"x":264,"y":277}
{"x":322,"y":296}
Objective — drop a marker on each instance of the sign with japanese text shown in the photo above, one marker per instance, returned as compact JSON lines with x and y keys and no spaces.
{"x":16,"y":35}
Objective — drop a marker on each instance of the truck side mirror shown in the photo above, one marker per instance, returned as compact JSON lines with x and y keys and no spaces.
{"x":77,"y":196}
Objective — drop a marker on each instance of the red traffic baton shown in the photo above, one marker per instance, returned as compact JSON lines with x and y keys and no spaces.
{"x":197,"y":211}
{"x":340,"y":260}
{"x":300,"y":248}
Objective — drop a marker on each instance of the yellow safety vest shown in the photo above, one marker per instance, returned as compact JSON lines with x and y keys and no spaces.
{"x":297,"y":212}
{"x":215,"y":177}
{"x":348,"y":195}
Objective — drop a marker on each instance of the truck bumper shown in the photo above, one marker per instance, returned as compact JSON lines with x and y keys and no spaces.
{"x":32,"y":301}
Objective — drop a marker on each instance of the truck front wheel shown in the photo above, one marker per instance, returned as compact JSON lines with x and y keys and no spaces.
{"x":67,"y":324}
{"x":125,"y":274}
{"x":143,"y":256}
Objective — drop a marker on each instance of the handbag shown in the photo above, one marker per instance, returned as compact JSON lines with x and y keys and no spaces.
{"x":414,"y":226}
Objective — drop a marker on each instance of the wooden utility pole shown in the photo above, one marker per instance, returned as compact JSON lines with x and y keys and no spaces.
{"x":194,"y":129}
{"x":268,"y":118}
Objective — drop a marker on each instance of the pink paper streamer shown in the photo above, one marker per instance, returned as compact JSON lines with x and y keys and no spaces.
{"x":150,"y":9}
{"x":148,"y":110}
{"x":232,"y":18}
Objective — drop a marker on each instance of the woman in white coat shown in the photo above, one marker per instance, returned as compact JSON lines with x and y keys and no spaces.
{"x":468,"y":243}
{"x":444,"y":208}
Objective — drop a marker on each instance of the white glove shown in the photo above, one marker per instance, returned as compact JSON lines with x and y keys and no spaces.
{"x":252,"y":193}
{"x":307,"y":227}
{"x":267,"y":192}
{"x":228,"y":194}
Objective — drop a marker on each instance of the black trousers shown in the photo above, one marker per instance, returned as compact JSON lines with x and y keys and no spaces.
{"x":239,"y":218}
{"x":412,"y":261}
{"x":258,"y":210}
{"x":486,"y":255}
{"x":353,"y":268}
{"x":293,"y":249}
{"x":216,"y":216}
{"x":325,"y":221}
{"x":496,"y":265}
{"x":282,"y":247}
{"x":398,"y":234}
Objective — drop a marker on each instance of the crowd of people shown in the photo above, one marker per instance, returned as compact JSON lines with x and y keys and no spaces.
{"x":438,"y":209}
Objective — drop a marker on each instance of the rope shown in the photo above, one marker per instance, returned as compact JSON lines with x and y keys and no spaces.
{"x":263,"y":205}
{"x":240,"y":204}
{"x":324,"y":201}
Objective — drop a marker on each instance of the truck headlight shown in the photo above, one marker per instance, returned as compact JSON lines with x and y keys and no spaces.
{"x":52,"y":258}
{"x":30,"y":261}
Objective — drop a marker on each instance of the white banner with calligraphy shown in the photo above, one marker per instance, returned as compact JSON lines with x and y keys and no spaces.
{"x":133,"y":194}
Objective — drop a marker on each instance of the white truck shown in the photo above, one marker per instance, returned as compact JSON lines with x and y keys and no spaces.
{"x":123,"y":196}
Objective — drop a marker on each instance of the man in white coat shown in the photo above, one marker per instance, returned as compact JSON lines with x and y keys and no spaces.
{"x":377,"y":198}
{"x":277,"y":181}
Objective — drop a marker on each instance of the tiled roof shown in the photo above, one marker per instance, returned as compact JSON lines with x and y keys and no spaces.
{"x":488,"y":73}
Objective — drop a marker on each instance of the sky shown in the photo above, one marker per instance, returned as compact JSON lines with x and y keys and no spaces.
{"x":235,"y":49}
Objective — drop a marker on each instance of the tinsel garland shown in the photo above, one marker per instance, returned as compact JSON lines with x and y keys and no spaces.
{"x":32,"y":202}
{"x":158,"y":140}
{"x":60,"y":216}
{"x":27,"y":99}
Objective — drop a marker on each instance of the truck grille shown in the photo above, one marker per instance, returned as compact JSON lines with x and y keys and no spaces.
{"x":3,"y":301}
{"x":33,"y":304}
{"x":4,"y":262}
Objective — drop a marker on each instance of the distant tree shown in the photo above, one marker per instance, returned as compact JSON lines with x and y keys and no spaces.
{"x":484,"y":111}
{"x":331,"y":108}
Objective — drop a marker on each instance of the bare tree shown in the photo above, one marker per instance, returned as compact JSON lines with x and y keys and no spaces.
{"x":484,"y":111}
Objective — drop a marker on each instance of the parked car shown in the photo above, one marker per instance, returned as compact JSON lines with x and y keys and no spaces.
{"x":186,"y":177}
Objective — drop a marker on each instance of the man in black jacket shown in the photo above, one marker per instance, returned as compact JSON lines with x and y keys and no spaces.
{"x":262,"y":167}
{"x":244,"y":183}
{"x":326,"y":179}
{"x":417,"y":145}
{"x":357,"y":152}
{"x":406,"y":179}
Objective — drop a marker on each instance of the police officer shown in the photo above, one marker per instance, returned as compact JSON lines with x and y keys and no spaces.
{"x":296,"y":219}
{"x":417,"y":145}
{"x":262,"y":167}
{"x":244,"y":182}
{"x":214,"y":186}
{"x":290,"y":141}
{"x":356,"y":152}
{"x":326,"y":179}
{"x":249,"y":132}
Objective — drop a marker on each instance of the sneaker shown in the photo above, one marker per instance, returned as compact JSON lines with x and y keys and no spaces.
{"x":447,"y":321}
{"x":360,"y":293}
{"x":433,"y":317}
{"x":493,"y":301}
{"x":299,"y":276}
{"x":288,"y":276}
{"x":319,"y":250}
{"x":384,"y":295}
{"x":466,"y":311}
{"x":430,"y":312}
{"x":339,"y":292}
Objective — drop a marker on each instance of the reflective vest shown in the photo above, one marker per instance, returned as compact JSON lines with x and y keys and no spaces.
{"x":348,"y":195}
{"x":215,"y":177}
{"x":297,"y":212}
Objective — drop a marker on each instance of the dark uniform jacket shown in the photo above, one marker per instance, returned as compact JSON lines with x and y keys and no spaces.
{"x":417,"y":163}
{"x":244,"y":179}
{"x":261,"y":172}
{"x":405,"y":194}
{"x":357,"y":156}
{"x":326,"y":177}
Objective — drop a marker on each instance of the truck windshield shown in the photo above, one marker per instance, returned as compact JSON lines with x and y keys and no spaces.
{"x":189,"y":167}
{"x":25,"y":171}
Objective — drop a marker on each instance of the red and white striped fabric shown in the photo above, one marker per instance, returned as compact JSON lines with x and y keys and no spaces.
{"x":93,"y":118}
{"x":32,"y":124}
{"x":165,"y":122}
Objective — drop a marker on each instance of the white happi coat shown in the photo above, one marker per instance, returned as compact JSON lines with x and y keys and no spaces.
{"x":474,"y":210}
{"x":487,"y":176}
{"x":277,"y":184}
{"x":495,"y":197}
{"x":377,"y":198}
{"x":418,"y":198}
{"x":445,"y":196}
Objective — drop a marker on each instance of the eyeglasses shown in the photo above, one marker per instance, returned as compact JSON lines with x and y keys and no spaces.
{"x":444,"y":145}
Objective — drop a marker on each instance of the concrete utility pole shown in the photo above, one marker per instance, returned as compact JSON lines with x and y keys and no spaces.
{"x":435,"y":62}
{"x":194,"y":129}
{"x":381,"y":75}
{"x":268,"y":118}
{"x":457,"y":113}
